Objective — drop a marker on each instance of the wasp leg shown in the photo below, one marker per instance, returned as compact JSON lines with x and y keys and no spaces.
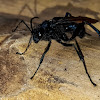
{"x":22,"y":21}
{"x":88,"y":34}
{"x":80,"y":54}
{"x":41,"y":60}
{"x":68,"y":14}
{"x":93,"y":28}
{"x":30,"y":41}
{"x":64,"y":44}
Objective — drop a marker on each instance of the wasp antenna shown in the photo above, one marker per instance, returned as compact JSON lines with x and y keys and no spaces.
{"x":32,"y":20}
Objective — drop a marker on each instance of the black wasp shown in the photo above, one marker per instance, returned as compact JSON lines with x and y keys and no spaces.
{"x":63,"y":30}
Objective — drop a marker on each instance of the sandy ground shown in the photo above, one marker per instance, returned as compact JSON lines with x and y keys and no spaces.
{"x":61,"y":75}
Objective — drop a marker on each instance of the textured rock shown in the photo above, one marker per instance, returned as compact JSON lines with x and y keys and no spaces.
{"x":61,"y":75}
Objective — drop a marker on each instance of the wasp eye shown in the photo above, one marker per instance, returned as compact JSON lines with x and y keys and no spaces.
{"x":39,"y":34}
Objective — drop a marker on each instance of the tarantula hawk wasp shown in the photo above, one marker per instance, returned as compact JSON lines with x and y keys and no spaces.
{"x":58,"y":29}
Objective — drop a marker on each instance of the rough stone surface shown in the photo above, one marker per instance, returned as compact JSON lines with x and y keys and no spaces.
{"x":61,"y":75}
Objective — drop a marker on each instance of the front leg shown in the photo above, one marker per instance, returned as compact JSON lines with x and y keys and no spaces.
{"x":22,"y":21}
{"x":26,"y":47}
{"x":41,"y":60}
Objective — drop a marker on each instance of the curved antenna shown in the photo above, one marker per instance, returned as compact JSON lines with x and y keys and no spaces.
{"x":31,"y":22}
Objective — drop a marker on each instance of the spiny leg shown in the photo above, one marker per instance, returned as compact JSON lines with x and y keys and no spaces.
{"x":80,"y":54}
{"x":41,"y":60}
{"x":30,"y":41}
{"x":22,"y":21}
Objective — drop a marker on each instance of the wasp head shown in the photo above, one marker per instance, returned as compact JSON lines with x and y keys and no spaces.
{"x":38,"y":34}
{"x":39,"y":31}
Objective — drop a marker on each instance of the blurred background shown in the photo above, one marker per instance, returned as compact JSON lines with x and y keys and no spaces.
{"x":13,"y":10}
{"x":30,"y":8}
